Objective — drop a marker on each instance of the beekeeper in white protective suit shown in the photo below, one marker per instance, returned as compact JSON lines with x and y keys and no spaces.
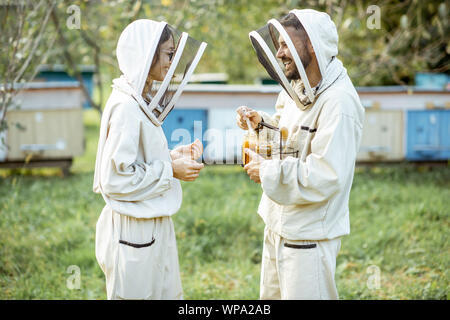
{"x":136,"y":173}
{"x":305,"y":199}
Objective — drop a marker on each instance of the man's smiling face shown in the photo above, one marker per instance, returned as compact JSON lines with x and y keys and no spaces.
{"x":284,"y":54}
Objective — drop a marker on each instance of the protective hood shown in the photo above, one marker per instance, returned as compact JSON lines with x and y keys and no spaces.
{"x":139,"y":51}
{"x":323,"y":36}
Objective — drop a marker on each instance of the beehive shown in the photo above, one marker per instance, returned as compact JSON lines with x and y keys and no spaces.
{"x":45,"y":123}
{"x":382,"y":138}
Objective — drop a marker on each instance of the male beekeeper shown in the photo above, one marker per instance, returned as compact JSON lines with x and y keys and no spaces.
{"x":136,"y":173}
{"x":305,"y":198}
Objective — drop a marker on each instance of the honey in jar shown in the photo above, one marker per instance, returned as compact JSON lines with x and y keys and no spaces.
{"x":245,"y":145}
{"x":265,"y":151}
{"x":250,"y":142}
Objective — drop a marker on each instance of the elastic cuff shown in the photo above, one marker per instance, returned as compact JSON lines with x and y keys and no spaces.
{"x":169,"y":164}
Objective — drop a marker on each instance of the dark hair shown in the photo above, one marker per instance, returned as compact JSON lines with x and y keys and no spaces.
{"x":291,"y":20}
{"x":165,"y":35}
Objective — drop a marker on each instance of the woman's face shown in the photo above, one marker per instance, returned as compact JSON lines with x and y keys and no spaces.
{"x":165,"y":54}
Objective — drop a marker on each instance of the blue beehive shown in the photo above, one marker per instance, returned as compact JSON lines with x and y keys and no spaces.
{"x":183,"y":126}
{"x":57,"y":73}
{"x":428,"y":135}
{"x":445,"y":134}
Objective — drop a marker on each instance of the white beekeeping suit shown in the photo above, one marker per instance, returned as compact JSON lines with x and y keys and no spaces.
{"x":305,"y":200}
{"x":135,"y":239}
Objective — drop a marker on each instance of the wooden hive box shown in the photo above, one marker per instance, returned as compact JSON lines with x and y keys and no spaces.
{"x":428,"y":135}
{"x":45,"y":123}
{"x":382,"y":138}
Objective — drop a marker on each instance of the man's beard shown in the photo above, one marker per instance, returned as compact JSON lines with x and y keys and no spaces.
{"x":306,"y":60}
{"x":294,"y":75}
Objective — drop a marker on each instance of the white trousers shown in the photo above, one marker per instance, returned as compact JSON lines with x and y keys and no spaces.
{"x":298,"y":269}
{"x":138,"y":257}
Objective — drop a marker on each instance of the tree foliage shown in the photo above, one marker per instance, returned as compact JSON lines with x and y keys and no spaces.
{"x":22,"y":40}
{"x":412,"y":35}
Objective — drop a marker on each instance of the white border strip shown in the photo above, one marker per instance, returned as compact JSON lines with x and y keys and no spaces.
{"x":170,"y":72}
{"x":177,"y":94}
{"x":312,"y":37}
{"x":294,"y":53}
{"x":274,"y":63}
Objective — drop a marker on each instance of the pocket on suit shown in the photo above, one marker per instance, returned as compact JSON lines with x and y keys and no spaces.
{"x":136,"y":270}
{"x":300,"y":270}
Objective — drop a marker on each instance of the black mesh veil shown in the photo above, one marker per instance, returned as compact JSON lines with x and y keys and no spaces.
{"x":263,"y":57}
{"x":183,"y":52}
{"x":266,"y":42}
{"x":182,"y":72}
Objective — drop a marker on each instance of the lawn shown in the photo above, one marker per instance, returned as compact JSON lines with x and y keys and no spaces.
{"x":399,"y":233}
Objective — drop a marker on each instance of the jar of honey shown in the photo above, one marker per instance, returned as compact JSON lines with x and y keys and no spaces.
{"x":250,"y":141}
{"x":265,"y":150}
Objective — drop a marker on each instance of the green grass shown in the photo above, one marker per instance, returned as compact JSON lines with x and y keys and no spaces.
{"x":399,"y":223}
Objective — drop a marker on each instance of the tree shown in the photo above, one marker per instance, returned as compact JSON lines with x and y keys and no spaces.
{"x":381,"y":42}
{"x":23,"y":26}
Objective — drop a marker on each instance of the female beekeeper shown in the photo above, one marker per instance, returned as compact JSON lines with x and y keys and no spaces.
{"x":136,"y":173}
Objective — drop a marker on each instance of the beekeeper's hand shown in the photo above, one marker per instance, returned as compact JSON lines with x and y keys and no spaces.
{"x":191,"y":151}
{"x":252,"y":167}
{"x":244,"y":112}
{"x":186,"y":169}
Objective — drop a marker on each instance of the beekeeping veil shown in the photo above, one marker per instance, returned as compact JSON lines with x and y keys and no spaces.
{"x":321,"y":32}
{"x":138,"y":48}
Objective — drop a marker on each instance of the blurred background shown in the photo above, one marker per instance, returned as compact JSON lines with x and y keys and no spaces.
{"x":57,"y":63}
